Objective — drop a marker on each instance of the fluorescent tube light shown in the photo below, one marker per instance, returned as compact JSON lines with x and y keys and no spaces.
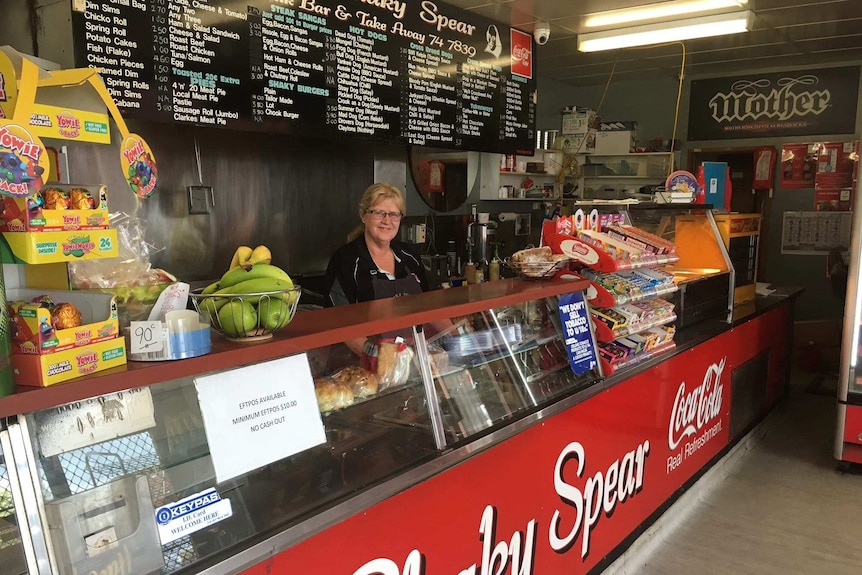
{"x":702,"y":27}
{"x":664,"y":10}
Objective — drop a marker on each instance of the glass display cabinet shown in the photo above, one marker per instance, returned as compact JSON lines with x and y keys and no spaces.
{"x":127,"y":483}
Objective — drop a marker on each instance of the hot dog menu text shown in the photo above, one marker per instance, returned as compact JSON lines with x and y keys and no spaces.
{"x":418,"y":71}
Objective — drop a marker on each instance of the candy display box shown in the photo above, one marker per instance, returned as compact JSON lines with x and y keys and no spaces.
{"x":33,"y":332}
{"x":57,"y":207}
{"x":62,"y":246}
{"x":51,"y":368}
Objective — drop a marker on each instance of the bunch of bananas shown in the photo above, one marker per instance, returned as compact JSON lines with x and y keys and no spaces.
{"x":252,"y":298}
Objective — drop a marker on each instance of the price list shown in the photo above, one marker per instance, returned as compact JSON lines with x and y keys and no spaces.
{"x":206,"y":82}
{"x":113,"y":40}
{"x":518,"y":110}
{"x":479,"y":86}
{"x":378,"y":70}
{"x":430,"y":96}
{"x":365,"y":83}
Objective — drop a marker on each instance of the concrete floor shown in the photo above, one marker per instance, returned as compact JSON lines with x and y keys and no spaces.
{"x":777,"y":504}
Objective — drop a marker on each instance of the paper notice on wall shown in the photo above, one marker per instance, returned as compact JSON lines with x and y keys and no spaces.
{"x":259,"y":414}
{"x":815,"y":233}
{"x":798,"y":165}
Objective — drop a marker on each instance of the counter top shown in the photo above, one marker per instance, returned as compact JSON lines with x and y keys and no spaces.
{"x":307,"y":331}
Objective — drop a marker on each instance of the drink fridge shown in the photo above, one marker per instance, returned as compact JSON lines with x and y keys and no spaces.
{"x":848,"y":437}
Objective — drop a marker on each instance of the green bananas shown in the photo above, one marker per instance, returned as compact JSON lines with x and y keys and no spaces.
{"x":245,"y":273}
{"x":239,"y":314}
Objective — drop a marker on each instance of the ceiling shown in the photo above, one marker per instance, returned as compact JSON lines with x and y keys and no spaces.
{"x":785,"y":33}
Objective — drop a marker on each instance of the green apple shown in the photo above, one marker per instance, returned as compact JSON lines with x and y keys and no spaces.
{"x":274,"y":313}
{"x":237,"y":317}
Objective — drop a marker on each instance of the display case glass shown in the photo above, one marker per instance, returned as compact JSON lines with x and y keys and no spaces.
{"x":495,"y":366}
{"x":132,"y":478}
{"x":108,"y":464}
{"x":12,"y":557}
{"x":704,"y":272}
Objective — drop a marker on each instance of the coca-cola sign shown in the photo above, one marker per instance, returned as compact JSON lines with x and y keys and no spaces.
{"x":694,"y":409}
{"x":796,"y":103}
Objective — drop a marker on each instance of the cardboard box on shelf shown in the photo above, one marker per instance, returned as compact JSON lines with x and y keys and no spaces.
{"x":578,"y":143}
{"x":48,"y":369}
{"x":33,"y":214}
{"x":34,"y":333}
{"x":579,"y":120}
{"x":619,"y":142}
{"x":63,"y":246}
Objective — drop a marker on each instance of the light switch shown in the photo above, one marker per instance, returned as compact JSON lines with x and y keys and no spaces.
{"x":200,"y":199}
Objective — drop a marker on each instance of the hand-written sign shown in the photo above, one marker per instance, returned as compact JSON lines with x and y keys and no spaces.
{"x":575,"y":318}
{"x":258,"y":414}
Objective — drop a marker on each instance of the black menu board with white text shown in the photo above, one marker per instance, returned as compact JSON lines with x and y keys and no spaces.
{"x":418,"y":71}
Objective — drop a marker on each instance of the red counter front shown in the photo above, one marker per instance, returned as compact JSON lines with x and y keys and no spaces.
{"x":565,"y":493}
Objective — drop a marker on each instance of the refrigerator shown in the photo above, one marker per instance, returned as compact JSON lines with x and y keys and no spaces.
{"x":848,"y":437}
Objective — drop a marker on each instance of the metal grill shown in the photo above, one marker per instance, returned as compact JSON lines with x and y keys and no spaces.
{"x":96,"y":465}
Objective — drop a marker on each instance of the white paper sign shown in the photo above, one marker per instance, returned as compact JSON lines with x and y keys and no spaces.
{"x":259,"y":414}
{"x":146,"y":337}
{"x":191,"y":514}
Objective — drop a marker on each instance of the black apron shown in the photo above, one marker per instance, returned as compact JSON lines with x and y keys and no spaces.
{"x":384,"y":287}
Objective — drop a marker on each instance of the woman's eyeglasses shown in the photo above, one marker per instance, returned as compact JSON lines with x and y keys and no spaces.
{"x":379,"y":215}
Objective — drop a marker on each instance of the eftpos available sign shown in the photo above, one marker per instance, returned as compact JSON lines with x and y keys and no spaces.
{"x":800,"y":103}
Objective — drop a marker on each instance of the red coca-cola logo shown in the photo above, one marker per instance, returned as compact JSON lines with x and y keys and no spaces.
{"x":522,"y":49}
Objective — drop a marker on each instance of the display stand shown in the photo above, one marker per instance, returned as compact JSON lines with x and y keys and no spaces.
{"x":630,"y":320}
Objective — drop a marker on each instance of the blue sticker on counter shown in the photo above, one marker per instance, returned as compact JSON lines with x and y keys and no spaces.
{"x":191,"y":514}
{"x":575,"y":318}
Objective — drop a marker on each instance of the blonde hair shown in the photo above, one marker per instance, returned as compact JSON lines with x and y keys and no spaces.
{"x":373,"y":195}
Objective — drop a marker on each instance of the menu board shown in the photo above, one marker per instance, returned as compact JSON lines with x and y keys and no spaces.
{"x":413,"y":71}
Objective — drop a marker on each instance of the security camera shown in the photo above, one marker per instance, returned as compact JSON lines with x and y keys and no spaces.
{"x":541,"y":33}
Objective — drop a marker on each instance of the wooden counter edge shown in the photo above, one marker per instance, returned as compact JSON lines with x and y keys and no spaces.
{"x":307,"y":331}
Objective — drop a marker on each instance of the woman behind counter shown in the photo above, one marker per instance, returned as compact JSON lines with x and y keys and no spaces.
{"x":373,"y":264}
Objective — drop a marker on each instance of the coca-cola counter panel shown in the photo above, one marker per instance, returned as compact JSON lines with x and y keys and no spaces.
{"x":561,"y":496}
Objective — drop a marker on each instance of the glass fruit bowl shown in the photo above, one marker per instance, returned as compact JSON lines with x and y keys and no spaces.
{"x":248,"y":317}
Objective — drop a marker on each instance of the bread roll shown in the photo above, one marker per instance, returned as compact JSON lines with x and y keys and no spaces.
{"x":532,"y":255}
{"x":362,"y":382}
{"x":332,"y":395}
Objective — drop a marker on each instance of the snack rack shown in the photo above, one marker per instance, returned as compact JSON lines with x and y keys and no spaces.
{"x":631,"y":321}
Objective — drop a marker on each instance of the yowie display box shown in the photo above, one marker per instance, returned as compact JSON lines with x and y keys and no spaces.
{"x":32,"y":331}
{"x":63,"y":246}
{"x":25,"y":215}
{"x":48,"y":369}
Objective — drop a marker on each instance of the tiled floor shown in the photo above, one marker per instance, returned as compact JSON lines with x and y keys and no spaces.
{"x":779,"y":506}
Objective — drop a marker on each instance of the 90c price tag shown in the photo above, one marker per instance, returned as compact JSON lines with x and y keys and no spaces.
{"x":146,"y":336}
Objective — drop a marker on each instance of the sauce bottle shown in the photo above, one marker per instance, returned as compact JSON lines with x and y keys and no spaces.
{"x":494,"y":266}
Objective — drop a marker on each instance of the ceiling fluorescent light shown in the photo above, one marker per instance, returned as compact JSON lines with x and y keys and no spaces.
{"x":702,"y":27}
{"x":664,"y":10}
